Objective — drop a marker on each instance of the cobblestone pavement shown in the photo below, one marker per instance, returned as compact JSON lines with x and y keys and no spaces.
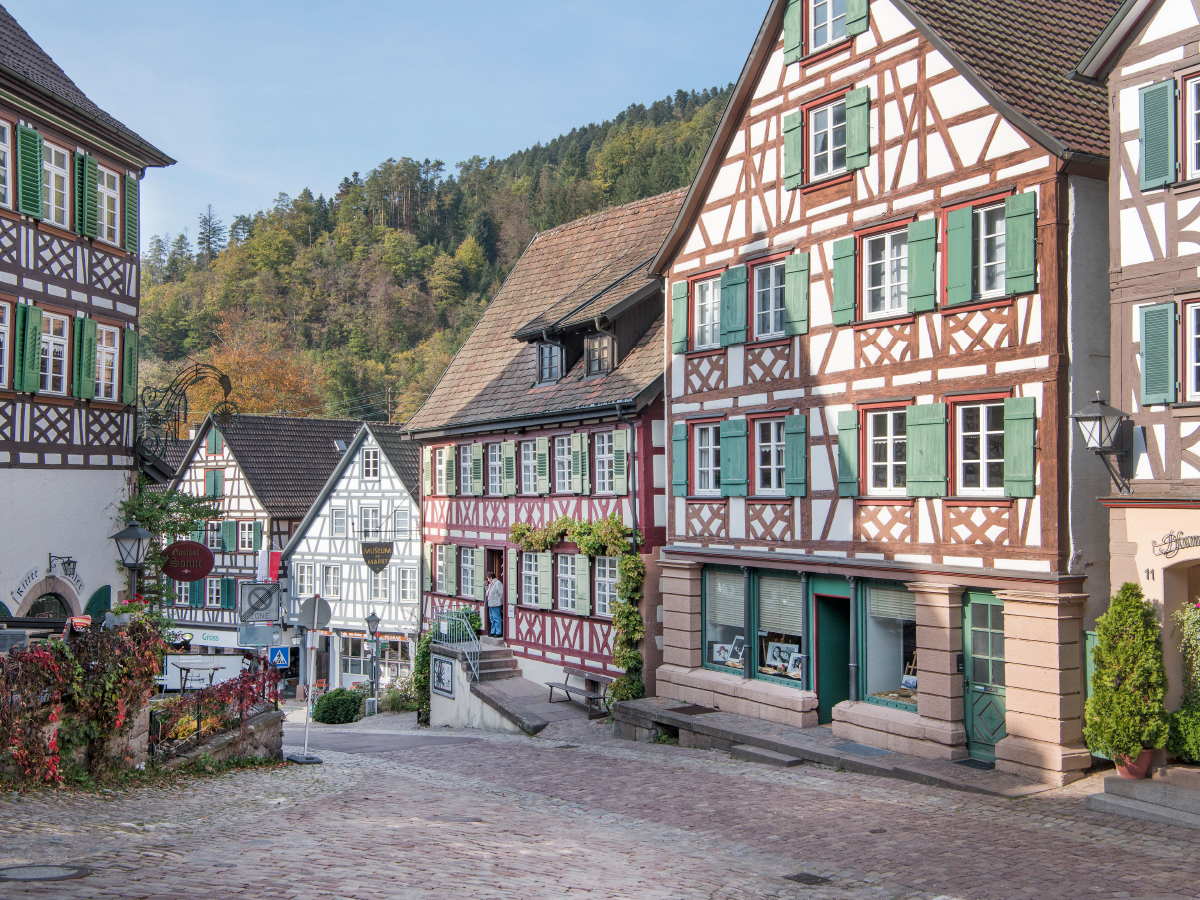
{"x":397,"y":811}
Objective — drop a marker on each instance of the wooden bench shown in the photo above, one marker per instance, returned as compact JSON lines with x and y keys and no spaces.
{"x":592,"y":698}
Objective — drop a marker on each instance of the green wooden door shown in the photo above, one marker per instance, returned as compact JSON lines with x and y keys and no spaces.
{"x":984,"y":710}
{"x":833,"y":654}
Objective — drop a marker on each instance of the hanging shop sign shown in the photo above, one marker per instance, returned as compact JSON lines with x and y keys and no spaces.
{"x":1173,"y":542}
{"x":187,"y":561}
{"x":377,"y":554}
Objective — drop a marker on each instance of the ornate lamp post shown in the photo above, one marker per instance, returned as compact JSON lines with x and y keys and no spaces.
{"x":68,"y":565}
{"x":133,"y":543}
{"x":1103,"y":434}
{"x":373,"y":630}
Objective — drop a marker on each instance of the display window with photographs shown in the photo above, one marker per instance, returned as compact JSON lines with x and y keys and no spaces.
{"x":779,"y":608}
{"x":891,"y":633}
{"x":724,"y":618}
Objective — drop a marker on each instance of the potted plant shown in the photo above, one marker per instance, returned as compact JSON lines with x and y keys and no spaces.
{"x":1125,"y":718}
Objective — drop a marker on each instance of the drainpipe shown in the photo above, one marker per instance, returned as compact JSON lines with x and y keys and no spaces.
{"x":806,"y":638}
{"x":746,"y":618}
{"x":853,"y":636}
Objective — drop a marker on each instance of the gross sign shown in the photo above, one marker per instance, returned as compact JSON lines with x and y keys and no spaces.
{"x":187,"y":561}
{"x":377,"y":555}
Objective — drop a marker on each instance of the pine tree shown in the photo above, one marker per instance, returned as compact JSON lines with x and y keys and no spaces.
{"x":210,"y":239}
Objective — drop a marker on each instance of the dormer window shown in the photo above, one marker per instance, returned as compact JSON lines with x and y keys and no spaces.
{"x":549,"y":362}
{"x":599,"y":354}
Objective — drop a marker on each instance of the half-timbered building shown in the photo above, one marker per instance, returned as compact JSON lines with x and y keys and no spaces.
{"x":69,"y":274}
{"x":366,"y":513}
{"x":263,"y":474}
{"x":553,"y":407}
{"x":884,"y":301}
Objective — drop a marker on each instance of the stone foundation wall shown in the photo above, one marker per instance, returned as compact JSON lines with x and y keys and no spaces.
{"x":262,"y":737}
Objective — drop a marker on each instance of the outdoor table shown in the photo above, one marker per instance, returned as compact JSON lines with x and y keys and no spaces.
{"x":186,"y":669}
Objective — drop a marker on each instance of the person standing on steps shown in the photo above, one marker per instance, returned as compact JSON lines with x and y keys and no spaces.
{"x":495,"y":605}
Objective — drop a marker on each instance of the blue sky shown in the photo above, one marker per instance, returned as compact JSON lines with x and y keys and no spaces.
{"x":261,"y":96}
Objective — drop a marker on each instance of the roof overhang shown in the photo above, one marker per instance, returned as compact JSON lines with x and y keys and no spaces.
{"x":331,"y":484}
{"x":532,"y":332}
{"x":1106,"y":49}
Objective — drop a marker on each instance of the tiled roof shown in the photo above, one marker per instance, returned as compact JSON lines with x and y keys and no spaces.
{"x":609,"y":285}
{"x":404,"y":455}
{"x":492,"y":377}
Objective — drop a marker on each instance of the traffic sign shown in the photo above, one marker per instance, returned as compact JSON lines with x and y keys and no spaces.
{"x":260,"y":635}
{"x":315,"y":612}
{"x":258,"y":603}
{"x":281,"y":657}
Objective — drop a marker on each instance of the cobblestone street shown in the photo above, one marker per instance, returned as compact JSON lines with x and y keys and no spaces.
{"x":397,"y":811}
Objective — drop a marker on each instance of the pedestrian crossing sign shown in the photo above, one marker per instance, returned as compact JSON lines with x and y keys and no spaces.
{"x":281,"y":657}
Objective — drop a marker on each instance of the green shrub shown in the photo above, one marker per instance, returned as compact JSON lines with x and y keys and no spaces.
{"x":420,"y":678}
{"x":1184,"y":742}
{"x":1125,"y":711}
{"x":399,"y":696}
{"x":337,"y":707}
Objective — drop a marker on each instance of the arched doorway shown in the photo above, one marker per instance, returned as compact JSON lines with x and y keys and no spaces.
{"x":49,"y":606}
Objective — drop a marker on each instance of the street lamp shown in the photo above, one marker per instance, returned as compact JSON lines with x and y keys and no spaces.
{"x":1103,"y":434}
{"x":373,"y":630}
{"x":68,"y":565}
{"x":133,"y":543}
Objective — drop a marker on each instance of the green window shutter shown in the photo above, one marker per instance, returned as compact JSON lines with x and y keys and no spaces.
{"x":477,"y":451}
{"x":858,"y":18}
{"x":87,"y":218}
{"x":195,"y":591}
{"x":1020,"y":243}
{"x":679,"y":317}
{"x":428,"y":566}
{"x":960,"y":250}
{"x":451,"y":570}
{"x":845,"y":301}
{"x":735,"y":477}
{"x":1020,"y":439}
{"x":583,"y":585}
{"x":679,"y":459}
{"x":450,"y":463}
{"x":258,"y":535}
{"x":922,"y":265}
{"x":733,"y":306}
{"x":795,"y":455}
{"x":32,"y":367}
{"x":793,"y":31}
{"x":621,"y":461}
{"x":218,"y":441}
{"x":793,"y":150}
{"x":542,"y":464}
{"x":513,"y":576}
{"x":29,"y":172}
{"x":508,"y":467}
{"x":479,"y":591}
{"x":77,"y":356}
{"x":858,"y":128}
{"x":925,"y":426}
{"x":129,"y":364}
{"x":577,"y":441}
{"x":210,"y":443}
{"x":210,"y":483}
{"x":198,"y":536}
{"x":545,"y":570}
{"x":848,"y":453}
{"x":1156,"y":104}
{"x":228,"y":589}
{"x":220,"y":484}
{"x":228,"y":537}
{"x":1158,"y":353}
{"x":427,"y":470}
{"x":99,"y":603}
{"x":796,"y":276}
{"x":131,"y":214}
{"x":18,"y":333}
{"x":88,"y":363}
{"x":585,"y":465}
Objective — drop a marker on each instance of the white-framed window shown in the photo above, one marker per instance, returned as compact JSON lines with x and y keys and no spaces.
{"x":529,"y":578}
{"x":827,"y":23}
{"x":245,"y":535}
{"x":408,"y":585}
{"x":1193,"y":128}
{"x":54,"y":354}
{"x":885,"y":274}
{"x":381,"y":583}
{"x":887,"y":452}
{"x":5,"y":313}
{"x":495,"y":485}
{"x":108,"y":204}
{"x":768,"y":301}
{"x":212,"y":534}
{"x":181,"y":589}
{"x":212,"y":593}
{"x":368,"y":523}
{"x":981,"y":448}
{"x":466,"y":571}
{"x":464,"y":470}
{"x":337,"y":521}
{"x":370,"y":462}
{"x":439,"y":568}
{"x":107,"y":342}
{"x":528,"y":467}
{"x":5,"y":170}
{"x":770,"y":457}
{"x":708,"y":459}
{"x":549,"y":362}
{"x":303,"y":579}
{"x":566,"y":582}
{"x":401,"y":522}
{"x":604,"y":463}
{"x":55,"y":185}
{"x":562,"y":464}
{"x":598,"y":348}
{"x":708,"y":314}
{"x":827,"y":140}
{"x":331,"y":581}
{"x":989,"y":251}
{"x":606,"y":585}
{"x":439,"y":471}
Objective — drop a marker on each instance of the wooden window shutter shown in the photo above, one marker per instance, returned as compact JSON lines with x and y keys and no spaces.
{"x":858,"y":128}
{"x":210,"y":442}
{"x":210,"y":483}
{"x":585,"y":465}
{"x":735,"y":477}
{"x":845,"y":300}
{"x":508,"y":467}
{"x":1020,"y":243}
{"x":198,"y":534}
{"x":577,"y":441}
{"x":18,"y":365}
{"x":220,"y":484}
{"x":795,"y":455}
{"x":87,"y":207}
{"x":257,"y":535}
{"x":1156,"y":105}
{"x":1020,"y":446}
{"x":218,"y":441}
{"x":922,"y":265}
{"x":621,"y":461}
{"x":679,"y":459}
{"x":87,"y":363}
{"x":793,"y":31}
{"x":479,"y":590}
{"x":679,"y":317}
{"x":477,"y":451}
{"x":427,"y":470}
{"x":451,"y":570}
{"x":428,"y":579}
{"x":848,"y":453}
{"x":131,"y":214}
{"x":29,"y":172}
{"x":450,"y":462}
{"x":545,"y":570}
{"x":925,"y":425}
{"x":195,"y":590}
{"x":583,"y":585}
{"x":1158,"y":353}
{"x":32,"y":363}
{"x":542,"y":464}
{"x":960,"y":254}
{"x":77,"y":356}
{"x":858,"y":18}
{"x":793,"y":150}
{"x":228,"y":592}
{"x":129,"y":364}
{"x":228,"y":537}
{"x":733,"y":306}
{"x":513,"y":576}
{"x":796,"y":275}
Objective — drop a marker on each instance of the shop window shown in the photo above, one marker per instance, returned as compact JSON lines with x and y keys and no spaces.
{"x":891,"y":645}
{"x":780,"y":627}
{"x":724,"y":619}
{"x":355,"y":658}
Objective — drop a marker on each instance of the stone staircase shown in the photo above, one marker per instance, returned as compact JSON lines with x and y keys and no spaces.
{"x":1163,"y":799}
{"x":496,"y":661}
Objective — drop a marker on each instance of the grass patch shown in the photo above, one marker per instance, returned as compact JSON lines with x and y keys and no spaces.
{"x":77,"y":779}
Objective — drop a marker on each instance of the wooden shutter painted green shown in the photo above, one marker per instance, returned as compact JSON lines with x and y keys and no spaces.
{"x":796,"y":269}
{"x":87,"y":207}
{"x":960,"y":251}
{"x":99,"y":603}
{"x":129,"y":367}
{"x":508,"y":468}
{"x":513,"y":576}
{"x":621,"y":461}
{"x":922,"y":265}
{"x":858,"y":128}
{"x":1020,"y":243}
{"x":576,"y":444}
{"x":858,"y":18}
{"x":845,"y":255}
{"x":220,"y":486}
{"x":545,"y":570}
{"x":583,"y":585}
{"x":793,"y":150}
{"x":213,"y":442}
{"x":258,"y":535}
{"x":795,"y":455}
{"x":198,"y":536}
{"x":427,"y":470}
{"x":541,"y":458}
{"x":479,"y":588}
{"x":77,"y":356}
{"x":735,"y":476}
{"x":733,"y":306}
{"x":210,"y":482}
{"x":679,"y":317}
{"x":477,"y":452}
{"x":195,"y":594}
{"x":451,"y":563}
{"x":87,"y":363}
{"x":1158,"y":353}
{"x":585,"y":465}
{"x":29,"y":172}
{"x":1156,"y":106}
{"x":31,"y":365}
{"x":793,"y":31}
{"x":18,"y":364}
{"x":1020,"y":442}
{"x":131,"y":213}
{"x":450,"y":465}
{"x":228,"y":593}
{"x":848,"y":453}
{"x":228,"y":537}
{"x":428,"y":568}
{"x":925,"y":426}
{"x":679,"y":459}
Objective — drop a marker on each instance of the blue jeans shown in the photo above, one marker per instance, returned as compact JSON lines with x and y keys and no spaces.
{"x":495,"y":621}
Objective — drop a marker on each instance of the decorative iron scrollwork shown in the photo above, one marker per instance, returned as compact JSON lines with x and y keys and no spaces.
{"x":163,"y":412}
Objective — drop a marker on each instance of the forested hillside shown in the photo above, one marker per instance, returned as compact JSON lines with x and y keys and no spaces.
{"x":353,"y":305}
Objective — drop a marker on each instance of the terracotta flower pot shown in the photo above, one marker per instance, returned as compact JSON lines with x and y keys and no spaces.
{"x":1136,"y":768}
